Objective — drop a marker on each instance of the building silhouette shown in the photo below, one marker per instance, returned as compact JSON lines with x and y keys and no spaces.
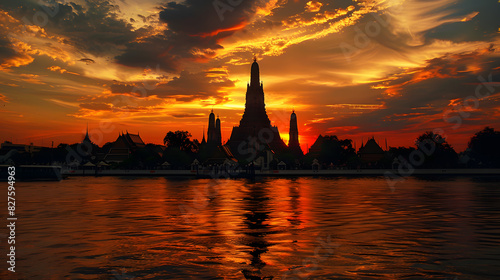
{"x":371,"y":151}
{"x":211,"y":151}
{"x":293,"y":141}
{"x":203,"y":141}
{"x":218,"y":134}
{"x":294,"y":131}
{"x":87,"y":148}
{"x":255,"y":131}
{"x":86,"y":139}
{"x":214,"y":136}
{"x":123,"y":146}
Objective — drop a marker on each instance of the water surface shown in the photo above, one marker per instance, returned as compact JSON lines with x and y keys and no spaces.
{"x":302,"y":228}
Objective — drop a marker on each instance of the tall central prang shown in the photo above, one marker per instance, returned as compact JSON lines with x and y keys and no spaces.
{"x":255,"y":109}
{"x":255,"y":123}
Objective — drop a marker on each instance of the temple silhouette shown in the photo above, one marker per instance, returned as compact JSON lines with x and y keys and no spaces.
{"x":293,"y":141}
{"x":255,"y":128}
{"x":123,"y":146}
{"x":254,"y":145}
{"x":214,"y":135}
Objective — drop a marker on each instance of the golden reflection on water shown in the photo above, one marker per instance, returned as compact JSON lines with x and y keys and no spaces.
{"x":348,"y":228}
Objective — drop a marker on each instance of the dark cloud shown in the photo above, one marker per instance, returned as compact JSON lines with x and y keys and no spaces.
{"x":197,"y":84}
{"x":87,"y":60}
{"x":426,"y":93}
{"x":153,"y":51}
{"x":6,"y":50}
{"x":97,"y":30}
{"x":167,"y":49}
{"x":150,"y":18}
{"x":121,"y":88}
{"x":483,"y":26}
{"x":199,"y":17}
{"x":194,"y":30}
{"x":94,"y":27}
{"x":480,"y":22}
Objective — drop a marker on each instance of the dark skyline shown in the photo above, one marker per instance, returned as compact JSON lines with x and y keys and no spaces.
{"x":356,"y":69}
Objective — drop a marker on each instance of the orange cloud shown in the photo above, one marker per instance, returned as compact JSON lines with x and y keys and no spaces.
{"x":357,"y":106}
{"x":321,"y":120}
{"x":3,"y":98}
{"x":63,"y":103}
{"x":299,"y":21}
{"x":30,"y":40}
{"x":61,"y":70}
{"x":340,"y":129}
{"x":20,"y":60}
{"x":267,"y":10}
{"x":5,"y":18}
{"x":8,"y":84}
{"x":470,"y":16}
{"x":275,"y":43}
{"x":216,"y":32}
{"x":31,"y":78}
{"x":446,"y":66}
{"x":313,"y":6}
{"x":40,"y":47}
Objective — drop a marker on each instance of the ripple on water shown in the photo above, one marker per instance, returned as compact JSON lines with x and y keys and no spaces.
{"x":322,"y":228}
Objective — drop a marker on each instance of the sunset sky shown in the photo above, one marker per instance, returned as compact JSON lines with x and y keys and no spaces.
{"x":354,"y":68}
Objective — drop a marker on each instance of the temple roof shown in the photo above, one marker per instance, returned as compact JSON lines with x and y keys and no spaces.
{"x":87,"y":137}
{"x":255,"y":74}
{"x":371,"y":147}
{"x":130,"y":141}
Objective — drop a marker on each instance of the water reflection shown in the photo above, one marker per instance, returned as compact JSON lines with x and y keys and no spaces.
{"x":157,"y":228}
{"x":294,"y":204}
{"x":256,"y":218}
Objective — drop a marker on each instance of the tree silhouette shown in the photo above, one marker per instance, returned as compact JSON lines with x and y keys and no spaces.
{"x":484,"y":148}
{"x":439,"y":154}
{"x":180,"y":139}
{"x":181,"y":151}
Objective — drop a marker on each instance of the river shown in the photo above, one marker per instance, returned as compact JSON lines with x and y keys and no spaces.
{"x":284,"y":228}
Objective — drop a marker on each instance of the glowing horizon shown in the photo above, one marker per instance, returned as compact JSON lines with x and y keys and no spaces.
{"x":356,"y":69}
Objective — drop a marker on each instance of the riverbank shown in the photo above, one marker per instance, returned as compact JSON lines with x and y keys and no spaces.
{"x":30,"y":173}
{"x":284,"y":173}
